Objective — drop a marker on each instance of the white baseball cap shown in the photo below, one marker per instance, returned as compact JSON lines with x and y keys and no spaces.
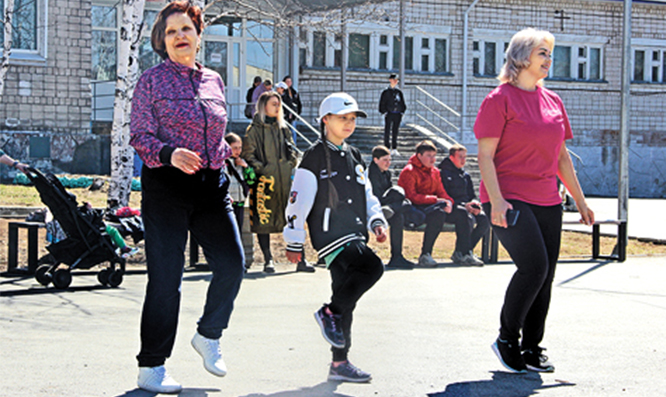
{"x":282,"y":85}
{"x":339,"y":103}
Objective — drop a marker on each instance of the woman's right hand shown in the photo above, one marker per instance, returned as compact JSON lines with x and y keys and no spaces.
{"x":498,"y":212}
{"x":186,"y":160}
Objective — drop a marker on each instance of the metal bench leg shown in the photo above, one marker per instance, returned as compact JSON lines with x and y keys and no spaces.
{"x":621,"y":241}
{"x":12,"y":248}
{"x":595,"y":241}
{"x":485,"y":246}
{"x":32,"y":249}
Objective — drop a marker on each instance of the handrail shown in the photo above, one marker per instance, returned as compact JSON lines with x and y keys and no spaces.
{"x":438,"y":101}
{"x":444,"y":134}
{"x":571,"y":152}
{"x":302,"y":120}
{"x":438,"y":115}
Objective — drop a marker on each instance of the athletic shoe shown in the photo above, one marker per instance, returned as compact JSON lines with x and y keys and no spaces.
{"x":347,"y":372}
{"x":457,"y":257}
{"x":399,"y":262}
{"x":126,"y":252}
{"x":537,"y":361}
{"x":330,"y":327}
{"x":471,"y":260}
{"x":395,"y":152}
{"x":426,"y":260}
{"x":509,"y":355}
{"x":157,"y":380}
{"x":209,"y":350}
{"x":304,"y":266}
{"x":269,"y":267}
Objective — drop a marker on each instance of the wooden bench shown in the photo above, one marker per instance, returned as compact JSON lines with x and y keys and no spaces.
{"x":490,"y":244}
{"x":13,"y":245}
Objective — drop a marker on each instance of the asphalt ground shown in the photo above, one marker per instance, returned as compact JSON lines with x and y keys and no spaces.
{"x":424,"y":332}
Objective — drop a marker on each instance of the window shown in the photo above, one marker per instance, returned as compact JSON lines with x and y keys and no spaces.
{"x":383,"y":60}
{"x":441,"y":56}
{"x":383,"y":40}
{"x":425,"y":43}
{"x":104,"y":43}
{"x":231,"y":27}
{"x":359,"y":51}
{"x":28,"y":29}
{"x":409,"y":53}
{"x":650,"y":65}
{"x":487,"y":57}
{"x":319,"y":49}
{"x":576,"y":62}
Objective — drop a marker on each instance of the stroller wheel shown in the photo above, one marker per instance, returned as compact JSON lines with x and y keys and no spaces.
{"x":43,"y":276}
{"x":103,"y":276}
{"x":115,"y":278}
{"x":62,"y":278}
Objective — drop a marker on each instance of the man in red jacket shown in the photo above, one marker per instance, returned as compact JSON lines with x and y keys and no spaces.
{"x":423,"y":187}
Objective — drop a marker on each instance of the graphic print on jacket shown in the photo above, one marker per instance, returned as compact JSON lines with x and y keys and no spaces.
{"x":357,"y":210}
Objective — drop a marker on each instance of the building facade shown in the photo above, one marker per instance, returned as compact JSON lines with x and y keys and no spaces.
{"x":60,"y":85}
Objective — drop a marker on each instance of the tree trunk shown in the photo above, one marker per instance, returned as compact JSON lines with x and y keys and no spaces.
{"x":122,"y":155}
{"x":7,"y":44}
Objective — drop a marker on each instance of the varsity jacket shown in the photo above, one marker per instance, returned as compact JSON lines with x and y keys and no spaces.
{"x":357,"y":210}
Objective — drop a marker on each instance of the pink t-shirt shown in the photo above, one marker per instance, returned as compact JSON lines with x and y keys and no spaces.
{"x":531,"y":125}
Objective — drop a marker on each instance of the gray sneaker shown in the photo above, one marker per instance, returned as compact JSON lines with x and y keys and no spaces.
{"x":426,"y":260}
{"x":347,"y":372}
{"x":457,"y":258}
{"x":471,"y":260}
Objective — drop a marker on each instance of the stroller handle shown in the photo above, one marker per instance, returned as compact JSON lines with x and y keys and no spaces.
{"x":33,"y":173}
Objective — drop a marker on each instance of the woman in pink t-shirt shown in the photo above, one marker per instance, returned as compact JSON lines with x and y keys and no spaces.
{"x":521,"y":128}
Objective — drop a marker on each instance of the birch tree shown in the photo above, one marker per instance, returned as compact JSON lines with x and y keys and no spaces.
{"x":7,"y":43}
{"x":122,"y":154}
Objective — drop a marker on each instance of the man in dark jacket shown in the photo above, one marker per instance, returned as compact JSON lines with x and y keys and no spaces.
{"x":291,"y":98}
{"x":394,"y":204}
{"x":392,"y":106}
{"x":458,"y":185}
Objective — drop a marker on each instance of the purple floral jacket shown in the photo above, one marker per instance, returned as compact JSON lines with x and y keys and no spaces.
{"x":178,"y":107}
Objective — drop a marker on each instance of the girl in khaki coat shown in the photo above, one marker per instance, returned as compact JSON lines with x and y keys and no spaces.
{"x":269,"y":148}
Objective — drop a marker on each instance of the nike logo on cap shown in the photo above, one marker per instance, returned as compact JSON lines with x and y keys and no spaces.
{"x":348,"y":103}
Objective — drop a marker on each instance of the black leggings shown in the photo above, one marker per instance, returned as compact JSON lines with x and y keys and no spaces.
{"x":265,"y":245}
{"x":534,"y":246}
{"x":354,"y":271}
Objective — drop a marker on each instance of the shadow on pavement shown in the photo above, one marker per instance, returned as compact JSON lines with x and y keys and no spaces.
{"x":502,"y":385}
{"x":51,"y":290}
{"x":186,"y":392}
{"x":590,"y":270}
{"x":324,"y":389}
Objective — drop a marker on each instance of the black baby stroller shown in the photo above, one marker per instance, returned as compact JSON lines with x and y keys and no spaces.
{"x":87,"y":242}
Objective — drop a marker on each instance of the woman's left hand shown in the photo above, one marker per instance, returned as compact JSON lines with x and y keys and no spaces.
{"x":586,"y":214}
{"x":186,"y":160}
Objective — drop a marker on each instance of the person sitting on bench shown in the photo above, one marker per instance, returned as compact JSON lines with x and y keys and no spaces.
{"x":466,"y":208}
{"x":423,"y":187}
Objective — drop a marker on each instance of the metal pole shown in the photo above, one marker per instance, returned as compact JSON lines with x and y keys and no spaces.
{"x":402,"y":45}
{"x":623,"y":166}
{"x":463,"y":119}
{"x":345,"y":55}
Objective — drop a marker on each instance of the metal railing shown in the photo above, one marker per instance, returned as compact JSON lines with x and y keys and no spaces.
{"x":431,"y":117}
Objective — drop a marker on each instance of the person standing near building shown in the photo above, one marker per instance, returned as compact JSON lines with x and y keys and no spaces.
{"x":267,"y":85}
{"x":177,"y":127}
{"x":269,"y":150}
{"x":392,"y":105}
{"x":292,"y":99}
{"x":332,"y":193}
{"x":6,"y":160}
{"x":470,"y":220}
{"x":521,"y":128}
{"x":249,"y":105}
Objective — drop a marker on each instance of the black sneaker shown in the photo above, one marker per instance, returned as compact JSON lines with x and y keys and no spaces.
{"x":536,"y":361}
{"x":399,"y":262}
{"x":509,"y":355}
{"x":304,"y":266}
{"x":330,"y":327}
{"x":347,"y":372}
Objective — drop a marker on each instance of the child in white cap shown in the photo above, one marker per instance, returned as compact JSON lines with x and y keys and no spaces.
{"x":332,"y":194}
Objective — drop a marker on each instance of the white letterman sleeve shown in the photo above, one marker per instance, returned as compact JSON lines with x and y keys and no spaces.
{"x":373,"y":207}
{"x":301,"y":200}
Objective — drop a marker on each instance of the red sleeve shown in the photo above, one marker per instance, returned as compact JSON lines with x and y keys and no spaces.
{"x":491,"y":119}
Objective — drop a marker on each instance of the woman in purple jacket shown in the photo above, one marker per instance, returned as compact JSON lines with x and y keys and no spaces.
{"x":177,"y":127}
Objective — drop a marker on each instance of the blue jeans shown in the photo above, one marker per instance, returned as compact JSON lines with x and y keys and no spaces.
{"x":174,"y":203}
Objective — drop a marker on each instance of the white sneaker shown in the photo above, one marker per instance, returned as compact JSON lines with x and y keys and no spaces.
{"x":210,"y":351}
{"x":471,"y":260}
{"x":157,"y":380}
{"x":395,"y":152}
{"x":426,"y":260}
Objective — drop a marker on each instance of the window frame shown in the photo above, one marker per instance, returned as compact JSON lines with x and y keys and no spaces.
{"x":38,"y":55}
{"x":576,"y":60}
{"x":649,"y":48}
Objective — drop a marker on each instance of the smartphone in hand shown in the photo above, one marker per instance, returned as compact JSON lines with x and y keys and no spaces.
{"x":512,"y":217}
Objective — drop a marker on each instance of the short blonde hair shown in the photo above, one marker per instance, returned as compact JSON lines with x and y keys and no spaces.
{"x":519,"y":51}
